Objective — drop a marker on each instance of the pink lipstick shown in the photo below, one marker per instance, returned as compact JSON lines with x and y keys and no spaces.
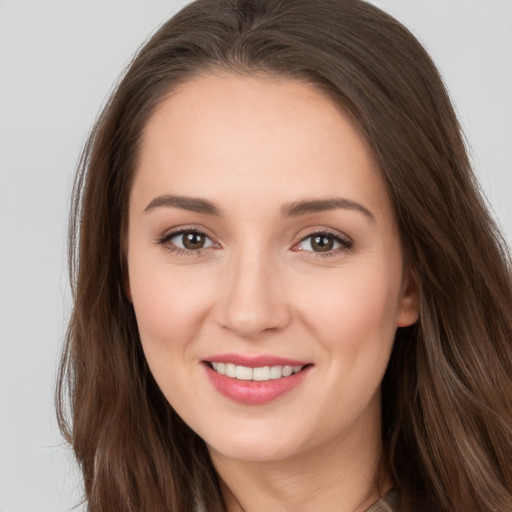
{"x":254,"y":380}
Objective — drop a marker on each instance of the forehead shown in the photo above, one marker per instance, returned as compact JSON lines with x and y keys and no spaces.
{"x":255,"y":137}
{"x":226,"y":104}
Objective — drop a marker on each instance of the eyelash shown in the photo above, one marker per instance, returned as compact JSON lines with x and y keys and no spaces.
{"x":345,"y":243}
{"x":163,"y":240}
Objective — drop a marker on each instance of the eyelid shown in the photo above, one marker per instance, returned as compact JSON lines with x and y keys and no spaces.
{"x":169,"y":234}
{"x":174,"y":231}
{"x":346,"y":243}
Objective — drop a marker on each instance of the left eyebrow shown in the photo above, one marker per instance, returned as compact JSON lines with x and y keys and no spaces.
{"x":306,"y":207}
{"x":193,"y":204}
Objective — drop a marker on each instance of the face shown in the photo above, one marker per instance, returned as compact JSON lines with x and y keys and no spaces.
{"x":264,"y":267}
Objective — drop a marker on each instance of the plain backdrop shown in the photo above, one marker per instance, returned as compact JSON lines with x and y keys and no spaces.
{"x":58,"y":62}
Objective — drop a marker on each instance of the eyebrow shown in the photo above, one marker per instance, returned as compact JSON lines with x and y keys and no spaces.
{"x":294,"y":209}
{"x":192,"y":204}
{"x":306,"y":207}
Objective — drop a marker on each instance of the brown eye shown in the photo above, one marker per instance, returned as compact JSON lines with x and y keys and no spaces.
{"x":190,"y":240}
{"x":326,"y":243}
{"x":193,"y":240}
{"x":322,"y":243}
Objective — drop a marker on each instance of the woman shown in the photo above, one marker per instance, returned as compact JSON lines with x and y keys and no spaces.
{"x":288,"y":294}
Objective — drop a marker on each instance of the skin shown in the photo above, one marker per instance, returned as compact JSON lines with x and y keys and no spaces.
{"x":252,"y":146}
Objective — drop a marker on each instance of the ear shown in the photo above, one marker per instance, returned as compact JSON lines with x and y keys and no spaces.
{"x":409,"y":307}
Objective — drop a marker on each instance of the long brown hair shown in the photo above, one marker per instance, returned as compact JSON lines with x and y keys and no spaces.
{"x":447,"y":393}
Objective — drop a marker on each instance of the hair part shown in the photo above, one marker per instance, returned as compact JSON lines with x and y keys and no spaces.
{"x":447,"y":393}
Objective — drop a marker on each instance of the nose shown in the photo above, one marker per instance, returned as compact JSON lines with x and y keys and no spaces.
{"x":254,"y":298}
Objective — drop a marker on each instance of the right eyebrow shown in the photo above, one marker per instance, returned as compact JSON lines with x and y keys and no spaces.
{"x":310,"y":206}
{"x":192,"y":204}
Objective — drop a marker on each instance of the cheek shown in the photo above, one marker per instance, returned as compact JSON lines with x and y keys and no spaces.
{"x":355,"y":312}
{"x":170,"y":304}
{"x":354,"y":323}
{"x":170,"y":307}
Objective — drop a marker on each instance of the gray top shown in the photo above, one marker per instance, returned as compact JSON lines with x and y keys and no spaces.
{"x":387,"y":503}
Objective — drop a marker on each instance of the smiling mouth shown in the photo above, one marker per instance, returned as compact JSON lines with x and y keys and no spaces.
{"x":258,"y":380}
{"x":258,"y":374}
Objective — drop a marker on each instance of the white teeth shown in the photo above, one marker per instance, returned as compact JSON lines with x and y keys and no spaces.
{"x":276,"y":372}
{"x":243,"y":373}
{"x":287,"y":371}
{"x":259,"y":374}
{"x":230,"y":370}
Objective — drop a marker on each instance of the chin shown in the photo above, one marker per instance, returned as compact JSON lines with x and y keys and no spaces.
{"x":256,"y":451}
{"x":257,"y":443}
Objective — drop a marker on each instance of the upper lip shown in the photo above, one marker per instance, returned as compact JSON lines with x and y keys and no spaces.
{"x":254,"y":361}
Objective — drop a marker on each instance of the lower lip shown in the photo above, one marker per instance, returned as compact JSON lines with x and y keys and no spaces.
{"x":251,"y":392}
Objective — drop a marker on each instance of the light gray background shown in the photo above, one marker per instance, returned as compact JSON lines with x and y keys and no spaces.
{"x":58,"y":60}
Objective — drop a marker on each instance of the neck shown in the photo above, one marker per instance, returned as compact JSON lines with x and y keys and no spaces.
{"x":338,"y":476}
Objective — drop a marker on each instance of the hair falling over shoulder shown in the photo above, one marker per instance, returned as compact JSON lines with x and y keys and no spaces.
{"x":447,"y":393}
